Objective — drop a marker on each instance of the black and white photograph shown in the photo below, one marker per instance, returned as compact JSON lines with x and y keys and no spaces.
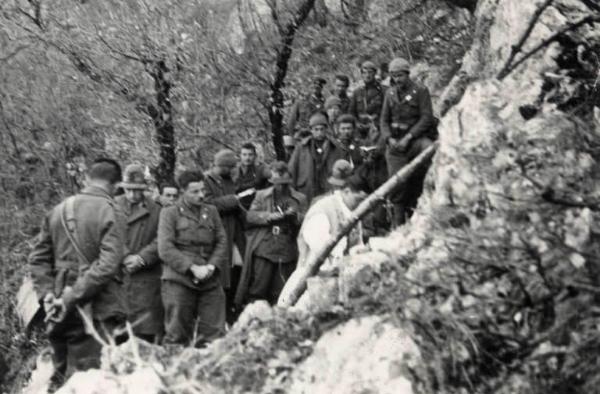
{"x":300,"y":196}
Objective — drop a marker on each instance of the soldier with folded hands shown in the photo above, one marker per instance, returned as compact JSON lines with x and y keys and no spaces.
{"x":192,"y":244}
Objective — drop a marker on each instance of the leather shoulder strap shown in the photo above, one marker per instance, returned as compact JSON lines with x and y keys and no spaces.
{"x":69,"y":223}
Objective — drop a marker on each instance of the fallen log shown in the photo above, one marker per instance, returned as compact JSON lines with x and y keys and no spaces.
{"x":296,"y":285}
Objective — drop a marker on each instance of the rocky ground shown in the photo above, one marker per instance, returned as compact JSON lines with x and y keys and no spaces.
{"x":491,"y":287}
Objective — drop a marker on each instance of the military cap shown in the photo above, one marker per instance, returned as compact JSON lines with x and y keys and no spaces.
{"x":318,"y":118}
{"x":340,"y":173}
{"x":399,"y":65}
{"x":302,"y":134}
{"x":134,"y":177}
{"x":368,"y":65}
{"x":320,"y":81}
{"x":225,"y":158}
{"x":280,"y":174}
{"x":332,"y":101}
{"x":346,"y":118}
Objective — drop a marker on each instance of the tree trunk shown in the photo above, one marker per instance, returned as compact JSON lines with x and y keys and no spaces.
{"x":297,"y":282}
{"x":162,"y":117}
{"x":284,"y":52}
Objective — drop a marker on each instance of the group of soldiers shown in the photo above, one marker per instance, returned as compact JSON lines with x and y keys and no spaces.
{"x":179,"y":266}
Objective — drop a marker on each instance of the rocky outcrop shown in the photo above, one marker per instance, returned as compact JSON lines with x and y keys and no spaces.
{"x":389,"y":359}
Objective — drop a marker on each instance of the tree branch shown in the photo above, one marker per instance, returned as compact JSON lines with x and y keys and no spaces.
{"x":515,"y":49}
{"x":284,"y":52}
{"x":588,"y":19}
{"x":297,"y":283}
{"x":275,"y":15}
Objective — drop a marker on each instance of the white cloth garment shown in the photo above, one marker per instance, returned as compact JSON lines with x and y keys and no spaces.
{"x":317,"y":232}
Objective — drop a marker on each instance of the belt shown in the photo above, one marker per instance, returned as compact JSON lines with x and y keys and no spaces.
{"x":280,"y":230}
{"x":398,"y":129}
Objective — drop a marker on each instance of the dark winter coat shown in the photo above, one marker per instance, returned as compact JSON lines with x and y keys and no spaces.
{"x":306,"y":176}
{"x":367,"y":100}
{"x":407,"y":109}
{"x":142,"y":287}
{"x":301,"y":111}
{"x":261,"y":207}
{"x":220,"y":192}
{"x":257,"y":176}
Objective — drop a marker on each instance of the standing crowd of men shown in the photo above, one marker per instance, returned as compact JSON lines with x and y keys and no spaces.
{"x":181,"y":266}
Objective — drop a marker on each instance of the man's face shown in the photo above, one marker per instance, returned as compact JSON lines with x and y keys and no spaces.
{"x":352,"y":198}
{"x":333,"y":113}
{"x":399,"y":77}
{"x":247,"y":157}
{"x":318,"y":132}
{"x":194,"y":193}
{"x":134,"y":196}
{"x":346,"y":131}
{"x":368,"y":75}
{"x":341,"y":87}
{"x":169,"y":196}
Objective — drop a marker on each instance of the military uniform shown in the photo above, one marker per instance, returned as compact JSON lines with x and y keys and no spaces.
{"x":367,"y":100}
{"x":352,"y":153}
{"x":192,"y":236}
{"x":344,"y":104}
{"x":220,"y":192}
{"x":272,"y":251}
{"x":143,"y":286}
{"x":311,"y":164}
{"x":255,"y":176}
{"x":406,"y":109}
{"x":94,"y":284}
{"x":301,"y":111}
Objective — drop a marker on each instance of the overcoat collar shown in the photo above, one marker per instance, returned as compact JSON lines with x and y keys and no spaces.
{"x":185,"y":210}
{"x":138,"y":211}
{"x":96,"y":191}
{"x":215,"y":177}
{"x":404,"y":91}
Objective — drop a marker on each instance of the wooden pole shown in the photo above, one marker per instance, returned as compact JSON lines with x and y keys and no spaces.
{"x":296,"y":285}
